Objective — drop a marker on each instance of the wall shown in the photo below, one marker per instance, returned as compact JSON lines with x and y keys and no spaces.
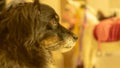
{"x":107,"y":6}
{"x":102,"y":5}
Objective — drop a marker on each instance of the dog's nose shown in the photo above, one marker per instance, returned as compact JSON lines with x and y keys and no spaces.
{"x":75,"y":37}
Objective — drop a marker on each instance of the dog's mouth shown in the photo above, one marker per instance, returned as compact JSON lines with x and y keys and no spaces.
{"x":61,"y":46}
{"x":68,"y":45}
{"x":55,"y":44}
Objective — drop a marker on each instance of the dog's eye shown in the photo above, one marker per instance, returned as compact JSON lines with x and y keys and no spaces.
{"x":52,"y":25}
{"x":54,"y":22}
{"x":56,"y":18}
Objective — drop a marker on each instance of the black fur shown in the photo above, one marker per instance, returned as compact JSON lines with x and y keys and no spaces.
{"x":2,"y":4}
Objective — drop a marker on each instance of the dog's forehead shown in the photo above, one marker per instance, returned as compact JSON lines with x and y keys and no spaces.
{"x":45,"y":9}
{"x":47,"y":13}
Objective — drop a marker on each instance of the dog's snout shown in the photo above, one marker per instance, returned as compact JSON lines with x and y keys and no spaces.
{"x":75,"y":37}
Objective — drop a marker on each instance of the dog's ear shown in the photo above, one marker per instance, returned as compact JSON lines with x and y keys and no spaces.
{"x":2,"y":4}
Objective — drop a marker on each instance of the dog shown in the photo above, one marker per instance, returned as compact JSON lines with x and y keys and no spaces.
{"x":29,"y":32}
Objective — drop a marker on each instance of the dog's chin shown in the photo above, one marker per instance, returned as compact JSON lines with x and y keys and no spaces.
{"x":63,"y":50}
{"x":67,"y":47}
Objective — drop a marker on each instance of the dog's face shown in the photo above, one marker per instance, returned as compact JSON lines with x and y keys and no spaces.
{"x":54,"y":36}
{"x":28,"y":34}
{"x":41,"y":24}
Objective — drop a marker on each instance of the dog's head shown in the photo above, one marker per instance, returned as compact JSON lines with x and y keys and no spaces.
{"x":29,"y":23}
{"x":54,"y":36}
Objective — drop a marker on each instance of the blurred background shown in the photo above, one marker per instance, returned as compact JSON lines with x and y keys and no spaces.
{"x":97,"y":24}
